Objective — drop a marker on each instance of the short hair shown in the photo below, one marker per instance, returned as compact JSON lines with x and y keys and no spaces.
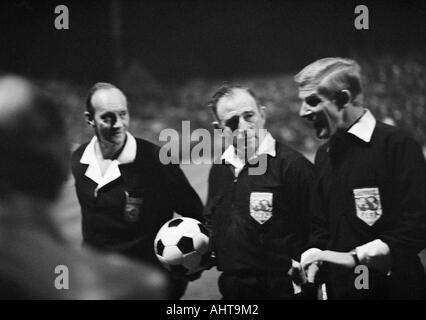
{"x":225,"y":91}
{"x":331,"y":75}
{"x":96,"y":87}
{"x":34,"y":144}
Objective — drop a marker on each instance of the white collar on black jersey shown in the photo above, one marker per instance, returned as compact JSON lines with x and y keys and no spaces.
{"x":127,"y":155}
{"x":266,"y":147}
{"x":364,"y":127}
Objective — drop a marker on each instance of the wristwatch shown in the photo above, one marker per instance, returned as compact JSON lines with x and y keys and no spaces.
{"x":354,"y":254}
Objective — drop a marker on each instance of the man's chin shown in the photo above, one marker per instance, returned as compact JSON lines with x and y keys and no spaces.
{"x":323,"y":133}
{"x":245,"y":154}
{"x":117,"y":140}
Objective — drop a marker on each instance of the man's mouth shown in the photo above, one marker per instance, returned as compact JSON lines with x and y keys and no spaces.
{"x":321,"y":125}
{"x":245,"y":143}
{"x":239,"y":140}
{"x":116,"y":136}
{"x":116,"y":133}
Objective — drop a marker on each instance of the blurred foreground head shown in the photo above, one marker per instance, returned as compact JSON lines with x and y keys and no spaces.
{"x":33,"y":165}
{"x":33,"y":145}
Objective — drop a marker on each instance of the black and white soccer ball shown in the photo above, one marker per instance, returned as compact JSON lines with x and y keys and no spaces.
{"x":182,"y":245}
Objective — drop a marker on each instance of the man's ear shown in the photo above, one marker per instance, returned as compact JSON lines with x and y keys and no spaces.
{"x":89,"y":119}
{"x":216,"y":125}
{"x":262,"y":111}
{"x":343,"y":98}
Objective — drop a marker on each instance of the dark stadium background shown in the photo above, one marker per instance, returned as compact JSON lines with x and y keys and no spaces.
{"x":168,"y":56}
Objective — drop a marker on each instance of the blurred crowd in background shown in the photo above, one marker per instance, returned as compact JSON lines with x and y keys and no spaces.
{"x":395,"y":91}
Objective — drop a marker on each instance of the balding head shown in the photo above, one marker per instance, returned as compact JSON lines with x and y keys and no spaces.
{"x":33,"y":141}
{"x":14,"y":96}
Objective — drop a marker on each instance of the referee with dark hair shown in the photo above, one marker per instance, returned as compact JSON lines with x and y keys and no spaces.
{"x":259,"y":219}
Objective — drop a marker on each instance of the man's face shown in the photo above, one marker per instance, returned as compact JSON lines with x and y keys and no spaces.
{"x":321,"y":112}
{"x":111,"y":117}
{"x":239,"y":113}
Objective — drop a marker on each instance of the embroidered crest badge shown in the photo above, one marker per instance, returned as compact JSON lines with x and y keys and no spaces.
{"x":368,"y":205}
{"x":132,"y":208}
{"x":261,"y":206}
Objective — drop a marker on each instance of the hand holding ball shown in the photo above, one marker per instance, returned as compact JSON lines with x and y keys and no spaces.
{"x":182,"y":246}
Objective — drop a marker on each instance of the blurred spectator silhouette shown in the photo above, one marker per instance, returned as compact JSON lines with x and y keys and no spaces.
{"x":33,"y":166}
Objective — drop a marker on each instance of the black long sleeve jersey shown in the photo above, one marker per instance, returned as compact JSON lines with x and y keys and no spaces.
{"x":161,"y":189}
{"x":372,"y":190}
{"x":260,"y":222}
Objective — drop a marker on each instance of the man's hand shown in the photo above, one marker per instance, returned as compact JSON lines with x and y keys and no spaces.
{"x":310,"y":261}
{"x":296,"y":273}
{"x":208,"y":263}
{"x":375,"y":254}
{"x":311,"y":272}
{"x":310,"y":256}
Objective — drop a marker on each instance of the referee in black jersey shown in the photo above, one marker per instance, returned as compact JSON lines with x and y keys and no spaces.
{"x":259,"y":220}
{"x":370,"y":193}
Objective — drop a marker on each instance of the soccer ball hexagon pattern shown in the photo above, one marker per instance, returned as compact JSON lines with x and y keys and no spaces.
{"x":181,"y":245}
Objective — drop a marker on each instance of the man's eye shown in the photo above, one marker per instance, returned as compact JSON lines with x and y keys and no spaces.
{"x":248,"y":116}
{"x":232,"y":123}
{"x":108,"y":118}
{"x":313,"y":101}
{"x":123,"y":114}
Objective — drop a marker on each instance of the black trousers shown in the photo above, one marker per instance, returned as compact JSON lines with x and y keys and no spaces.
{"x":243,"y":286}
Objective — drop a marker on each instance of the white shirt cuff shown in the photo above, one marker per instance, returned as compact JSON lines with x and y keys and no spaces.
{"x":307,"y":253}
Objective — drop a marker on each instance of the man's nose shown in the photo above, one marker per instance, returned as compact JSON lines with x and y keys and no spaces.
{"x":305,"y":111}
{"x":118,"y":122}
{"x":243,"y":124}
